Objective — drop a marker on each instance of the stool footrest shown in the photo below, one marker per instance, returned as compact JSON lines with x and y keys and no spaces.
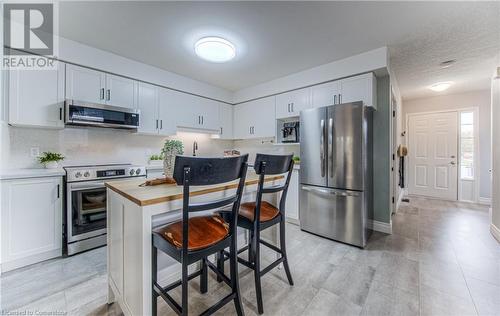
{"x":179,"y":282}
{"x":167,"y":298}
{"x":219,"y":304}
{"x":271,"y":266}
{"x":272,"y":247}
{"x":219,"y":273}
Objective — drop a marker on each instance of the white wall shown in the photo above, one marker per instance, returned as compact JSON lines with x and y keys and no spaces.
{"x":365,"y":62}
{"x":495,"y":122}
{"x":481,"y":99}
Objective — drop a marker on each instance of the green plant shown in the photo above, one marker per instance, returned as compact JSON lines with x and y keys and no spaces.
{"x":50,"y":156}
{"x":156,"y":157}
{"x":173,"y":146}
{"x":296,"y":159}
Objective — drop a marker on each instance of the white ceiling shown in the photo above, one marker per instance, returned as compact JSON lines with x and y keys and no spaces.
{"x":275,"y":39}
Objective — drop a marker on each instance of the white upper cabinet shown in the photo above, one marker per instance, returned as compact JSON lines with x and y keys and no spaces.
{"x":155,"y":104}
{"x":290,"y":104}
{"x":359,"y":88}
{"x":193,"y":112}
{"x":120,"y":91}
{"x":325,"y":94}
{"x":86,"y":85}
{"x":147,"y":103}
{"x":36,"y":97}
{"x":226,"y":121}
{"x":255,"y":119}
{"x":209,"y":111}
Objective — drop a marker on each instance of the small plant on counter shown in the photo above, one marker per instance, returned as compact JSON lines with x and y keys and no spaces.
{"x":171,"y":149}
{"x":156,"y":157}
{"x":50,"y":160}
{"x":296,"y":159}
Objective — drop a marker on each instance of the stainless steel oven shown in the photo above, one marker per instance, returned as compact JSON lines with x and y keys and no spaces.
{"x":85,"y":216}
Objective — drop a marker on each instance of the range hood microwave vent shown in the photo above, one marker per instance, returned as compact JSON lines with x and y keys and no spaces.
{"x":100,"y":115}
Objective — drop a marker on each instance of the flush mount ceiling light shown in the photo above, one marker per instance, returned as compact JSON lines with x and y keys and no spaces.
{"x":441,"y":86}
{"x":215,"y":49}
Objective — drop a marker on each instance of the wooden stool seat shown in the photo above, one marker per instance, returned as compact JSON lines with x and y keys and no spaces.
{"x":203,"y":232}
{"x":267,"y":211}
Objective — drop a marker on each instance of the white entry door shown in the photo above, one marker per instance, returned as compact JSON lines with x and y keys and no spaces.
{"x":432,"y":154}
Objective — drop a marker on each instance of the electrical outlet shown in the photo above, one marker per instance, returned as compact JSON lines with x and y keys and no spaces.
{"x":35,"y":152}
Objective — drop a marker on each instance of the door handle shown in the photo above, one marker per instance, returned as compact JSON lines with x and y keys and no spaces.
{"x":330,"y":146}
{"x":288,"y":107}
{"x":60,"y":114}
{"x":58,"y":191}
{"x":161,"y":124}
{"x":221,"y":130}
{"x":108,"y":95}
{"x":292,"y":106}
{"x":335,"y":99}
{"x":156,"y":124}
{"x":101,"y":96}
{"x":452,"y":163}
{"x":340,"y":98}
{"x":322,"y":148}
{"x":202,"y":120}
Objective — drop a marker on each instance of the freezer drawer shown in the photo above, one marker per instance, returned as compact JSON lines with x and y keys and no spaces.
{"x":335,"y":214}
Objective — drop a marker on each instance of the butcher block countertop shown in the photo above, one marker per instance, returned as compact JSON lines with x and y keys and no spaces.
{"x":149,"y":195}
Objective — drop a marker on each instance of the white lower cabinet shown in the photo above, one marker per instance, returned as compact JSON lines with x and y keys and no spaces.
{"x":36,"y":97}
{"x":255,"y":119}
{"x":31,"y":221}
{"x":292,"y":198}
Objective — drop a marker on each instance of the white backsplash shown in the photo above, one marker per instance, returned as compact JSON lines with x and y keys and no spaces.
{"x":83,"y":146}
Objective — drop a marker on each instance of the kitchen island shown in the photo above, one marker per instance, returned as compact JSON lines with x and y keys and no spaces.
{"x":132,"y":212}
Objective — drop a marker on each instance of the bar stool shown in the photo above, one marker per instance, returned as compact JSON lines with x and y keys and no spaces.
{"x":194,"y":239}
{"x":259,"y":215}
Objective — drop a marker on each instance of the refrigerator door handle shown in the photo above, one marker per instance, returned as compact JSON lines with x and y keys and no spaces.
{"x":323,"y":191}
{"x":322,"y":148}
{"x":330,"y":146}
{"x":330,"y":191}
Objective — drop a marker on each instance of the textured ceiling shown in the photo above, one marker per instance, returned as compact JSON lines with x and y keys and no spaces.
{"x":275,"y":39}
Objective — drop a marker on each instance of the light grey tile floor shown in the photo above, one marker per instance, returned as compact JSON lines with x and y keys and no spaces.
{"x":440,"y":260}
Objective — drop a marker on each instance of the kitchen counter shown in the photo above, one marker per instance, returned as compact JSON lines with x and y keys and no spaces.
{"x":6,"y":174}
{"x":149,"y":195}
{"x":133,"y":211}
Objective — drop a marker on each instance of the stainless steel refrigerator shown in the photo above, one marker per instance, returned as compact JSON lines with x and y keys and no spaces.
{"x":336,"y":184}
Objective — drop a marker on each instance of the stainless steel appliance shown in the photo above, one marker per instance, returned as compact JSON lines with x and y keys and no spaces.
{"x":336,"y":198}
{"x":100,"y":115}
{"x":85,"y":217}
{"x":290,"y":132}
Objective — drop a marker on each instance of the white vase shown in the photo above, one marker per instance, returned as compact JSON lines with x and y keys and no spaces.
{"x":169,"y":162}
{"x":52,"y":165}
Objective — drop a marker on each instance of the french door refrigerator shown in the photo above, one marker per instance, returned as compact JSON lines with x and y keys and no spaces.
{"x":336,"y":187}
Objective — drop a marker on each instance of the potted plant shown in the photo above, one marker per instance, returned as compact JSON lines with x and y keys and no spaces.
{"x":50,"y":160}
{"x":155,"y":160}
{"x":171,"y":149}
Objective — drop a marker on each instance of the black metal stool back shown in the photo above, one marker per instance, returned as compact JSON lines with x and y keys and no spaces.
{"x":211,"y":230}
{"x":272,"y":165}
{"x":197,"y":171}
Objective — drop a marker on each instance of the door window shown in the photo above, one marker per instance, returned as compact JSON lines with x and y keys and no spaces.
{"x":467,"y":145}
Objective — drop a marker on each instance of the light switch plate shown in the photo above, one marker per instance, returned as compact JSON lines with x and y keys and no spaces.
{"x":35,"y":151}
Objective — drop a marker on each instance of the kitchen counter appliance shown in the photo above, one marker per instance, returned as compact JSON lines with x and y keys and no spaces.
{"x":336,"y":199}
{"x":84,"y":225}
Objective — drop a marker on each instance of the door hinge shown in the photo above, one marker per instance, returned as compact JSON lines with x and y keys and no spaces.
{"x":393,"y":157}
{"x":393,"y":200}
{"x":393,"y":113}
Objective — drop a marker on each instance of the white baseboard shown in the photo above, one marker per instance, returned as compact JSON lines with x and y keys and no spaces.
{"x":380,"y":226}
{"x":485,"y":201}
{"x":495,"y":231}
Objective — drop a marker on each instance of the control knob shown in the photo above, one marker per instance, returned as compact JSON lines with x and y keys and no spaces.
{"x":78,"y":174}
{"x":131,"y":172}
{"x":138,"y":171}
{"x":86,"y":174}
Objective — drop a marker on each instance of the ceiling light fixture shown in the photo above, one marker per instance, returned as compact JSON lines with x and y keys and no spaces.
{"x":441,"y":86}
{"x":215,"y":49}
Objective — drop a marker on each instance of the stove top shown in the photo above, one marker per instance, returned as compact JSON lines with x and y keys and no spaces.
{"x":98,"y":172}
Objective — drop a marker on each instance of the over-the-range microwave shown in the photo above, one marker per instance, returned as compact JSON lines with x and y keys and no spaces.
{"x":100,"y":115}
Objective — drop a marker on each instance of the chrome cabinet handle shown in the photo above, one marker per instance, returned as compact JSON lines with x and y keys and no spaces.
{"x":340,"y":98}
{"x":101,"y":95}
{"x":156,"y":124}
{"x":330,"y":145}
{"x":221,"y":130}
{"x":108,"y":95}
{"x":288,"y":107}
{"x":335,"y":99}
{"x":202,"y":120}
{"x":161,"y":124}
{"x":292,"y":106}
{"x":322,"y":148}
{"x":60,"y":114}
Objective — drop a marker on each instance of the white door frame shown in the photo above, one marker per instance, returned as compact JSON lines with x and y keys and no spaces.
{"x":474,"y":109}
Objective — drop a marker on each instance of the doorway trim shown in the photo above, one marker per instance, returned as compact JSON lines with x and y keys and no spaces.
{"x":475,"y":110}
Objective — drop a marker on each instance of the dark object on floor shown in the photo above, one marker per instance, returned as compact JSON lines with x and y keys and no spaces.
{"x":194,"y":239}
{"x":407,"y":200}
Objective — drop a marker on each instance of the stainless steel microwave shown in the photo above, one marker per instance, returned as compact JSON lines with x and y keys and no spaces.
{"x":100,"y":115}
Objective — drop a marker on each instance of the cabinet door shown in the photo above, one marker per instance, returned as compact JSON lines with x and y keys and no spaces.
{"x":226,"y":121}
{"x":292,"y":198}
{"x":120,"y":91}
{"x":290,"y":104}
{"x":263,"y":118}
{"x":184,"y":110}
{"x":31,"y":221}
{"x":242,"y":120}
{"x":36,"y":97}
{"x":209,"y":111}
{"x":166,"y":111}
{"x":325,"y":94}
{"x":147,"y":103}
{"x":359,"y":88}
{"x":83,"y":84}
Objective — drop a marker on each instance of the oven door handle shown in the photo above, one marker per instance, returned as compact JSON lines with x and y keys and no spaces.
{"x":86,"y":186}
